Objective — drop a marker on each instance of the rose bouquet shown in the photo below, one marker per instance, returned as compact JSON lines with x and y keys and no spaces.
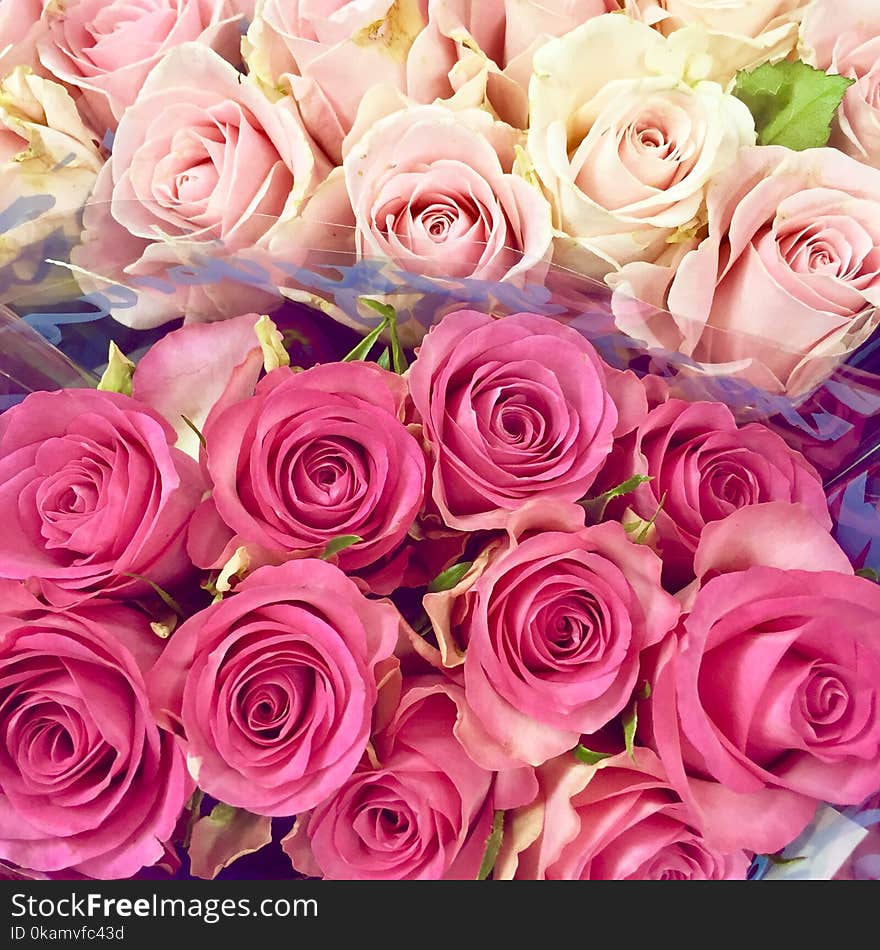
{"x":440,"y":439}
{"x":504,"y":610}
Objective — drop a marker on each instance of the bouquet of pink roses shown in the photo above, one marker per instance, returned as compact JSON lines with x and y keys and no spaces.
{"x":489,"y":485}
{"x":506,"y":610}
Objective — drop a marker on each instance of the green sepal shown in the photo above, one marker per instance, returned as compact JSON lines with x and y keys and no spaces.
{"x":340,"y":544}
{"x":449,"y":578}
{"x":493,"y":846}
{"x":588,"y":756}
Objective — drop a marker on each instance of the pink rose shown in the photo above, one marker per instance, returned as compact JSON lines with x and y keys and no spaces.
{"x":785,"y":284}
{"x":766,"y":701}
{"x":432,"y":192}
{"x":204,"y":167}
{"x":703,"y":468}
{"x":274,"y":687}
{"x":330,"y":53}
{"x":616,"y":822}
{"x":311,"y":457}
{"x":88,"y":782}
{"x":480,"y":54}
{"x":844,"y":38}
{"x":469,"y":54}
{"x":20,"y":29}
{"x":551,"y":628}
{"x":418,"y":808}
{"x":512,"y":409}
{"x":93,"y":496}
{"x":106,"y":50}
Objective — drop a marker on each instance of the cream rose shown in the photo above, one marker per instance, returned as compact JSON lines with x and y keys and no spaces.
{"x":625,"y":162}
{"x":742,"y":34}
{"x":844,"y":37}
{"x":48,"y":164}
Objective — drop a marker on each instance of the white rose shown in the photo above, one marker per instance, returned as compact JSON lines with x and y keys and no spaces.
{"x":49,"y":161}
{"x":742,"y":33}
{"x":625,"y":162}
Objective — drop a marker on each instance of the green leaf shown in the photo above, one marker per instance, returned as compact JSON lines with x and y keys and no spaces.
{"x":362,"y":350}
{"x":449,"y":578}
{"x":340,"y":544}
{"x":163,"y":595}
{"x":793,"y":104}
{"x":869,"y":574}
{"x":385,"y":359}
{"x":385,"y":310}
{"x":630,"y":722}
{"x":117,"y":376}
{"x":197,"y":431}
{"x":588,"y":756}
{"x":397,"y":355}
{"x":493,"y":846}
{"x":645,"y":691}
{"x":596,"y":506}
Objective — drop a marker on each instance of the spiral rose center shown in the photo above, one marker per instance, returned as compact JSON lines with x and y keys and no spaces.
{"x":273,"y":703}
{"x":824,"y":700}
{"x":329,"y":472}
{"x":733,"y":485}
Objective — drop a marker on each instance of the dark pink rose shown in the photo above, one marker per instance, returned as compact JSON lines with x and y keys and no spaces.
{"x":417,"y":808}
{"x":549,"y":629}
{"x":513,"y":409}
{"x":766,"y":702}
{"x":620,"y":821}
{"x":311,"y":457}
{"x":88,"y":782}
{"x":275,"y":687}
{"x":92,"y":491}
{"x":703,"y":468}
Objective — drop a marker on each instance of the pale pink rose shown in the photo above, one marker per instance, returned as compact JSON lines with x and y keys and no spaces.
{"x":703,"y":468}
{"x":620,"y":821}
{"x":549,"y":628}
{"x":188,"y":371}
{"x":844,"y":37}
{"x":742,"y":34}
{"x":88,"y":783}
{"x":431,"y":192}
{"x":329,"y":53}
{"x":106,"y":50}
{"x":94,"y":498}
{"x":785,"y":284}
{"x":481,"y":53}
{"x":204,"y":167}
{"x":471,"y":55}
{"x":311,"y":457}
{"x":20,"y":29}
{"x":625,"y":164}
{"x":274,"y":688}
{"x":766,"y":702}
{"x":512,"y":409}
{"x":417,"y":808}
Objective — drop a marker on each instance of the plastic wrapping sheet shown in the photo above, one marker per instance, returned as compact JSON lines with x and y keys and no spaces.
{"x":57,"y":321}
